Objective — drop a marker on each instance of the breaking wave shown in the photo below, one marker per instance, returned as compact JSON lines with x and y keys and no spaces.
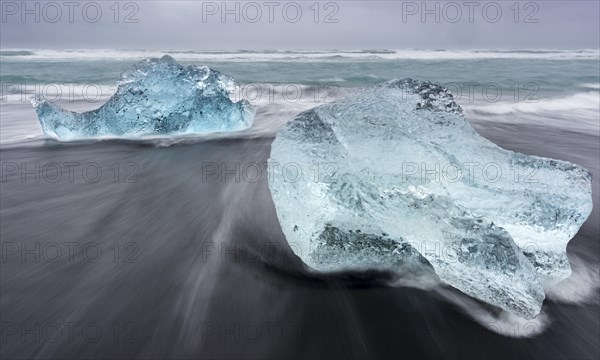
{"x":274,"y":55}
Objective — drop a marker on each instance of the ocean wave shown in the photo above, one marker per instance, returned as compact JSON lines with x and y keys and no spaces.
{"x":277,"y":103}
{"x":9,"y":53}
{"x":591,"y":86}
{"x":580,"y":102}
{"x":290,"y":55}
{"x":578,"y":112}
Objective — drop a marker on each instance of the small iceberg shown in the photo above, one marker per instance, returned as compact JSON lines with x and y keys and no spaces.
{"x":395,"y":175}
{"x":157,"y":97}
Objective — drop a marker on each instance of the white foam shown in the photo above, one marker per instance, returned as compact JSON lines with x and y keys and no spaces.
{"x":591,"y":85}
{"x":578,"y":112}
{"x":577,"y":102}
{"x":498,"y":321}
{"x":579,"y":288}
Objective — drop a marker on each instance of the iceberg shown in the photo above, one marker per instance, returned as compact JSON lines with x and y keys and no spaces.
{"x":155,"y":97}
{"x":395,"y":175}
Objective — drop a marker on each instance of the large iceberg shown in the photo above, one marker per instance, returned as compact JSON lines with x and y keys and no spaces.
{"x":395,"y":175}
{"x":156,"y":97}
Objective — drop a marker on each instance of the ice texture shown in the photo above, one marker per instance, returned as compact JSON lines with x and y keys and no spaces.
{"x":155,"y":97}
{"x":395,"y":174}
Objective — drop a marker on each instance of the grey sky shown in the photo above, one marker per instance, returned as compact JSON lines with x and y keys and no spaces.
{"x":339,"y":25}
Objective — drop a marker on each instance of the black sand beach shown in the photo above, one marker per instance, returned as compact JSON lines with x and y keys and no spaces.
{"x":168,"y":260}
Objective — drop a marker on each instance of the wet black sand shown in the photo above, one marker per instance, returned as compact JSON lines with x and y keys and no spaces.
{"x":192,"y":266}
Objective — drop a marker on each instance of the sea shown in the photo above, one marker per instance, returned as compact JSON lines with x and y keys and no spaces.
{"x":129,"y":248}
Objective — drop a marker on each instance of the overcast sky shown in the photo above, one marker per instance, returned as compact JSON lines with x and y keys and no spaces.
{"x":300,"y":25}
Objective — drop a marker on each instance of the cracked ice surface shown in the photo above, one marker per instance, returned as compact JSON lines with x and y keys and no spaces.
{"x":395,"y":174}
{"x":156,"y":97}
